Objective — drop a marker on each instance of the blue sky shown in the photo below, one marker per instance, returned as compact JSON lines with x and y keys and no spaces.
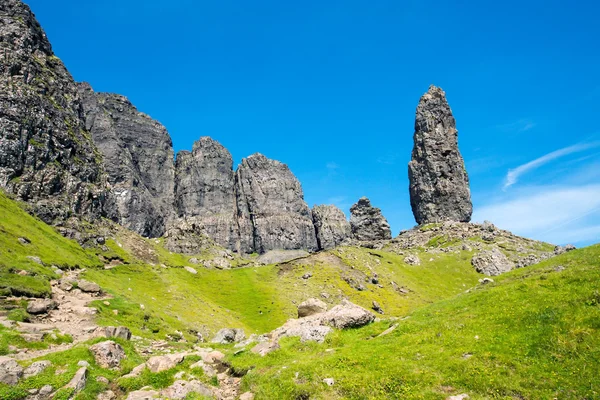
{"x":330,"y":88}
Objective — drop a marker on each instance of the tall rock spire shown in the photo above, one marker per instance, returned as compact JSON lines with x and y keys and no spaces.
{"x":439,"y":184}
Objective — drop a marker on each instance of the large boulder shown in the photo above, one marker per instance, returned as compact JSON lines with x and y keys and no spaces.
{"x":331,"y":226}
{"x":491,"y":262}
{"x":41,"y":306}
{"x":120,"y":332}
{"x":10,"y":371}
{"x":439,"y":185}
{"x":228,"y":335}
{"x":367,"y":222}
{"x":88,"y":287}
{"x":46,"y":155}
{"x":165,"y":362}
{"x":138,"y":156}
{"x":310,"y":307}
{"x":108,"y":354}
{"x":205,"y":192}
{"x":271,"y":208}
{"x":348,"y":315}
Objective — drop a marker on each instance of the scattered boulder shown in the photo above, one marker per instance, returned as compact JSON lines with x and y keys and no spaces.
{"x":142,"y":395}
{"x":46,"y":390}
{"x":412,"y":259}
{"x":88,"y":287}
{"x":348,"y":315}
{"x":165,"y":362}
{"x":310,"y":307}
{"x":108,"y":354}
{"x":367,"y":223}
{"x":108,"y":395}
{"x":181,"y":389}
{"x":439,"y":184}
{"x":563,"y":249}
{"x":41,"y":306}
{"x":377,"y":308}
{"x":228,"y":335}
{"x":265,"y":348}
{"x":331,"y":226}
{"x":491,"y":262}
{"x":36,"y":368}
{"x":120,"y":332}
{"x":190,"y":270}
{"x":79,"y":380}
{"x":247,"y":396}
{"x":10,"y":371}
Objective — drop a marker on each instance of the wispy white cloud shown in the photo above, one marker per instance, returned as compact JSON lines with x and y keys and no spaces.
{"x":513,"y":175}
{"x":521,"y":125}
{"x":555,"y":214}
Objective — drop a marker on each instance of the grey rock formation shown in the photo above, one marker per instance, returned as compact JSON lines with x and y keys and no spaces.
{"x":367,"y":222}
{"x":439,"y":184}
{"x":108,"y":354}
{"x":228,"y":335}
{"x":41,"y":306}
{"x":491,"y":262}
{"x":205,"y":192}
{"x":10,"y":371}
{"x":138,"y":157}
{"x":331,"y":226}
{"x":47,"y":157}
{"x":271,"y":207}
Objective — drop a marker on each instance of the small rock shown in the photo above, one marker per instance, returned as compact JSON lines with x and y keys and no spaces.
{"x":10,"y":371}
{"x":46,"y":390}
{"x":35,"y":259}
{"x":108,"y":395}
{"x":190,"y":270}
{"x":265,"y":348}
{"x":377,"y":308}
{"x":65,"y":285}
{"x":23,"y":273}
{"x":88,"y":287}
{"x":310,"y":307}
{"x":485,"y":281}
{"x":559,"y":268}
{"x":491,"y":262}
{"x":307,"y":275}
{"x":411,"y":259}
{"x":463,"y":396}
{"x":162,"y":363}
{"x":247,"y":396}
{"x":33,"y":337}
{"x":83,"y":363}
{"x":182,"y":389}
{"x":24,"y":241}
{"x":36,"y":368}
{"x":116,"y":312}
{"x":108,"y":354}
{"x":102,"y":379}
{"x":329,"y":381}
{"x":228,"y":335}
{"x":79,"y":380}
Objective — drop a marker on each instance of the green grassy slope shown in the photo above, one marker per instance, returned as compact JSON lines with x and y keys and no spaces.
{"x":44,"y":242}
{"x":533,"y":334}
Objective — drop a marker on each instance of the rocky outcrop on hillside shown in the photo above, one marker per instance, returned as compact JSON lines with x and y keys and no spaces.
{"x":205,"y":192}
{"x":439,"y":185}
{"x":138,"y":157}
{"x":331,"y":226}
{"x":271,"y":200}
{"x":368,"y":223}
{"x":46,"y":155}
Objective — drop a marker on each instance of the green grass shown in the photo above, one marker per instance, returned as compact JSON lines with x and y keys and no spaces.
{"x":533,"y":334}
{"x":9,"y":337}
{"x":45,"y":243}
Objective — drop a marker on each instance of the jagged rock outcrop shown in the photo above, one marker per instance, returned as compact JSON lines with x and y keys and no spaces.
{"x":367,"y":222}
{"x":47,"y":157}
{"x":331,"y":226}
{"x":138,"y":157}
{"x":271,"y":204}
{"x":205,"y":192}
{"x":439,"y":184}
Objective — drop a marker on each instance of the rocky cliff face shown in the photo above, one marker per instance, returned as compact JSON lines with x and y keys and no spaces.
{"x":205,"y":195}
{"x":46,"y":155}
{"x":271,"y":199}
{"x":138,"y":157}
{"x":439,"y":185}
{"x":368,"y":223}
{"x":331,"y":226}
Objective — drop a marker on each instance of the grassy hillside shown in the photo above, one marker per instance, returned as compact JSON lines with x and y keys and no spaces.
{"x":533,"y":334}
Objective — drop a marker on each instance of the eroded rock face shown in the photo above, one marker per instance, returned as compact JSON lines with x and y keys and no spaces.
{"x":439,"y":184}
{"x":138,"y":157}
{"x":205,"y":192}
{"x":47,"y":157}
{"x":367,"y":222}
{"x":271,"y":208}
{"x":331,"y":226}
